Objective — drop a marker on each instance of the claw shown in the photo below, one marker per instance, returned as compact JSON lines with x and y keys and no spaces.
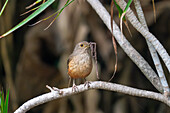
{"x":74,"y":88}
{"x":87,"y":83}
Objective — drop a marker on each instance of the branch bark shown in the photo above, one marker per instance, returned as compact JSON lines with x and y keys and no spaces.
{"x":60,"y":93}
{"x":149,"y":36}
{"x":152,"y":49}
{"x":126,"y":46}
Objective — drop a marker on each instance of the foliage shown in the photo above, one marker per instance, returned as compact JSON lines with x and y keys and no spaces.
{"x":37,"y":11}
{"x":4,"y":102}
{"x":34,"y":14}
{"x":3,"y":7}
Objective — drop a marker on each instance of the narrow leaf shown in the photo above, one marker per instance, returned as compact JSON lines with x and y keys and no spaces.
{"x":113,"y":40}
{"x":30,"y":10}
{"x":121,"y":29}
{"x":126,"y":24}
{"x":67,"y":3}
{"x":38,"y":1}
{"x":59,"y":11}
{"x":118,"y":8}
{"x":6,"y":101}
{"x":127,"y":6}
{"x":34,"y":14}
{"x":3,"y":7}
{"x":154,"y":10}
{"x":2,"y":101}
{"x":122,"y":18}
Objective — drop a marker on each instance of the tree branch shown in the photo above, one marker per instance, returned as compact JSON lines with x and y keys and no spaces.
{"x":60,"y":93}
{"x":126,"y":46}
{"x":131,"y":52}
{"x":149,"y":36}
{"x":152,"y":49}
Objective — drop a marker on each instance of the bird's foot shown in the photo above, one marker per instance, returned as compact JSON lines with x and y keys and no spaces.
{"x":74,"y":88}
{"x":87,"y":83}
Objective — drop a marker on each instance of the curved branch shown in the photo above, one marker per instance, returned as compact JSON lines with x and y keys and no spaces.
{"x":126,"y":46}
{"x":152,"y":49}
{"x":59,"y":93}
{"x":149,"y":36}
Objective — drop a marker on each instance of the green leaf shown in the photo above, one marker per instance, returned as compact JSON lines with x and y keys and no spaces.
{"x":67,"y":3}
{"x":59,"y":12}
{"x":118,"y":8}
{"x":2,"y":101}
{"x":38,"y":1}
{"x":6,"y":102}
{"x":34,"y":14}
{"x":127,"y":6}
{"x":3,"y":7}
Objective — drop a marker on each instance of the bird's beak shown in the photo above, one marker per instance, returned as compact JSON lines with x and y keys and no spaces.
{"x":88,"y":46}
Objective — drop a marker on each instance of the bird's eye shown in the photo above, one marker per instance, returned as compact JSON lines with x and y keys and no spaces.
{"x":81,"y":45}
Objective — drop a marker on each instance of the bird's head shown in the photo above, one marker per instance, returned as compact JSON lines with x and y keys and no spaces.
{"x":82,"y":47}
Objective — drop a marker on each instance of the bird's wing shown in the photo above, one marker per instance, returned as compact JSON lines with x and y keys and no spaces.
{"x":68,"y":61}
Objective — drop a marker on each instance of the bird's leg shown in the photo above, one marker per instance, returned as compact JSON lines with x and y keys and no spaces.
{"x":69,"y":81}
{"x":86,"y":83}
{"x":74,"y":87}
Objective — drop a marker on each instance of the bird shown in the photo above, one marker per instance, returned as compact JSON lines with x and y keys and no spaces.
{"x":79,"y":63}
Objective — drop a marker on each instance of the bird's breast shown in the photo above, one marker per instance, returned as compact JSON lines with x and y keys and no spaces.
{"x":80,"y":66}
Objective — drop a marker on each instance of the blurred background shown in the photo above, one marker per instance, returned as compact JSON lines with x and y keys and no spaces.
{"x":31,"y":58}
